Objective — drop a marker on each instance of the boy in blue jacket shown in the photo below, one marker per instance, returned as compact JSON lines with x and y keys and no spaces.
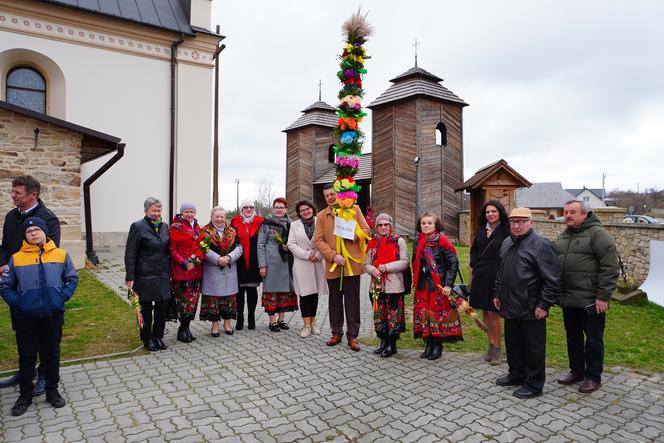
{"x":38,"y":281}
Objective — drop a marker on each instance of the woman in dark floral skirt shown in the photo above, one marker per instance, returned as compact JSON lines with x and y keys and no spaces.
{"x":387,"y":261}
{"x":220,"y":273}
{"x":186,"y":269}
{"x":435,"y":265}
{"x":275,"y":265}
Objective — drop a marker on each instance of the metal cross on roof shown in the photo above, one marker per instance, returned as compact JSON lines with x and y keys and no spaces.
{"x":415,"y":45}
{"x":320,"y":84}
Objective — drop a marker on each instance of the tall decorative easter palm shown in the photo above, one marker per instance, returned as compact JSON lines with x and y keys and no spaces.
{"x":347,"y":135}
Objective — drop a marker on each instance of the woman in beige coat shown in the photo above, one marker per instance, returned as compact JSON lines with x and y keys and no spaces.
{"x":308,"y":266}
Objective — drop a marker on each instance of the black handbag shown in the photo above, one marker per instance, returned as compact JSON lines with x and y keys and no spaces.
{"x":461,"y":290}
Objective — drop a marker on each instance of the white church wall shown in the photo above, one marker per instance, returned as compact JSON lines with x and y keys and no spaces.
{"x":123,"y":95}
{"x":195,"y":121}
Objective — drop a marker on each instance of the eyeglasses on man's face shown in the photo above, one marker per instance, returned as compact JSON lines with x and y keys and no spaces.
{"x":519,"y":222}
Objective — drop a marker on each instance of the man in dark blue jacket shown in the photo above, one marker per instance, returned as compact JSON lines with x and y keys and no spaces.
{"x":38,"y":280}
{"x":25,"y":197}
{"x":526,"y":287}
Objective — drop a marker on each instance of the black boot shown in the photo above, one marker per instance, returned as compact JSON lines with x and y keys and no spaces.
{"x":189,"y":334}
{"x":239,"y":324}
{"x":427,"y":348}
{"x":436,"y":349}
{"x":383,"y":344}
{"x":391,"y":348}
{"x":252,"y":300}
{"x":251,"y":322}
{"x":182,"y":330}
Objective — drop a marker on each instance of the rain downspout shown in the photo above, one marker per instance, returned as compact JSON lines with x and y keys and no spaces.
{"x":171,"y":171}
{"x":215,"y":151}
{"x":89,"y":246}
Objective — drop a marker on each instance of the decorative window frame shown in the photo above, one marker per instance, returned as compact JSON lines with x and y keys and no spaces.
{"x":53,"y":76}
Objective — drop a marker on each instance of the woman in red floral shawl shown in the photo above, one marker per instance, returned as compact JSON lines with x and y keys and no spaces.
{"x":186,"y":269}
{"x":434,"y":266}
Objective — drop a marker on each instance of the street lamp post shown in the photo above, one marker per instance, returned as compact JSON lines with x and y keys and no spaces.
{"x":237,"y":195}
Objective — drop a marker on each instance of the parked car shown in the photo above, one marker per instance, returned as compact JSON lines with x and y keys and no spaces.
{"x":642,"y":219}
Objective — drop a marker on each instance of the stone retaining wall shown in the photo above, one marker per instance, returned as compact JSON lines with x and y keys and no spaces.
{"x":632,"y":241}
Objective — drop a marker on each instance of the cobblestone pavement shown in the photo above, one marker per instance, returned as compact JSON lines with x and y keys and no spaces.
{"x":264,"y":386}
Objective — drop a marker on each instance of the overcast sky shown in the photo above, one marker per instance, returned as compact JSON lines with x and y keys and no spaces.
{"x":563,"y":90}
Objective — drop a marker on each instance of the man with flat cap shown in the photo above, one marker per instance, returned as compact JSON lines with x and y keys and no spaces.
{"x":526,"y":287}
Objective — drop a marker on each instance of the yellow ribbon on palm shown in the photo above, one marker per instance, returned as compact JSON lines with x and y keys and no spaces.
{"x":349,"y":214}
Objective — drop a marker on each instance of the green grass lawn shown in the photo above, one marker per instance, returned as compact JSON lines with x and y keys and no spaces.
{"x":634,"y":335}
{"x":97,"y":322}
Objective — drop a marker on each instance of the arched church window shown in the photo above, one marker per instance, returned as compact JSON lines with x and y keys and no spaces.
{"x":26,"y":88}
{"x":331,"y":156}
{"x":441,"y":134}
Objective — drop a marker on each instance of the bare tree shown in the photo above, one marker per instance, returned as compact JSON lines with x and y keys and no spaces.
{"x":265,"y":196}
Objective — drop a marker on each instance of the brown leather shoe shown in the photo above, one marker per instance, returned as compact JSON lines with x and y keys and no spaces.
{"x":353,"y":344}
{"x":569,"y":379}
{"x":334,"y":340}
{"x":589,"y":386}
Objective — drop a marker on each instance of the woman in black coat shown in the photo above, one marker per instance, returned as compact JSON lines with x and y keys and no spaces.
{"x":492,"y":228}
{"x":147,"y":261}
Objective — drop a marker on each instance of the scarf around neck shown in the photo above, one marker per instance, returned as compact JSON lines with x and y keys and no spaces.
{"x":246,"y":231}
{"x":425,"y":248}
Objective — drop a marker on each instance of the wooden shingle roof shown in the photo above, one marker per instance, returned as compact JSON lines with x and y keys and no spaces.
{"x":416,"y":81}
{"x":487,"y":171}
{"x":164,"y":14}
{"x":318,"y":114}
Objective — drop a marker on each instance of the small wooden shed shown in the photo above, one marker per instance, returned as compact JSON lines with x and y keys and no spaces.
{"x":496,"y":181}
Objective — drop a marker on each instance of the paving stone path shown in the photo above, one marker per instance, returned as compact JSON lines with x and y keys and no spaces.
{"x":264,"y":386}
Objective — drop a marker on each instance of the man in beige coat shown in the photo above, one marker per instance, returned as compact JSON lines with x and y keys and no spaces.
{"x":344,"y":293}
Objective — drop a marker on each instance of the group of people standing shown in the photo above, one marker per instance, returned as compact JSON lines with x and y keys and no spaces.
{"x":222,"y":264}
{"x":519,"y":275}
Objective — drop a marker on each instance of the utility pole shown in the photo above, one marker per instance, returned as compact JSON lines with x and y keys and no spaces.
{"x":603,"y":185}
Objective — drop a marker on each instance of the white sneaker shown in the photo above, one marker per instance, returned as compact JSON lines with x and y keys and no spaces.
{"x":305,"y":332}
{"x":314,"y":329}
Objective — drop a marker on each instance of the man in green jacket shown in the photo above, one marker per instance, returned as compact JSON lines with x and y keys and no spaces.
{"x":588,"y":274}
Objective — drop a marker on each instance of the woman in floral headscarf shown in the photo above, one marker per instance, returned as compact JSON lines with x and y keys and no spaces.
{"x":274,"y":261}
{"x":435,"y":266}
{"x":220,"y":273}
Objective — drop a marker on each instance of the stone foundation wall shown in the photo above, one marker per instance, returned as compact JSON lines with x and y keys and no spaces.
{"x":464,"y":227}
{"x":55,"y":162}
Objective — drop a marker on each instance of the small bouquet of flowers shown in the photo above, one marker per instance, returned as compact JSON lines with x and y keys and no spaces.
{"x":134,"y":302}
{"x":203,"y":247}
{"x":278,"y":238}
{"x":375,"y":289}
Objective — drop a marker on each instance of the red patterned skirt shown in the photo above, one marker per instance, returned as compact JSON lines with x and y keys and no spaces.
{"x":215,"y":308}
{"x":434,"y":317}
{"x":186,"y":294}
{"x":389,"y":317}
{"x":275,"y":302}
